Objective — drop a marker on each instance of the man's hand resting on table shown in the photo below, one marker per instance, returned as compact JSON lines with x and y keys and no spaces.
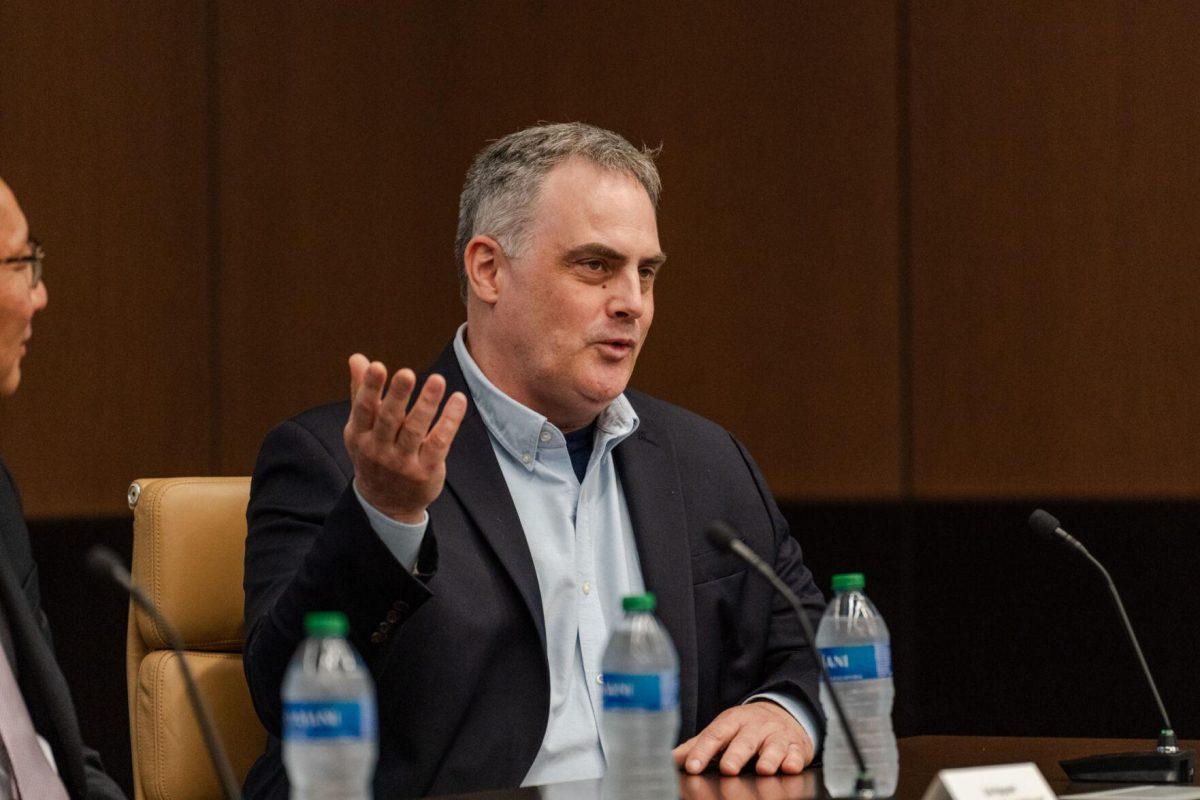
{"x":399,"y":459}
{"x":760,"y":728}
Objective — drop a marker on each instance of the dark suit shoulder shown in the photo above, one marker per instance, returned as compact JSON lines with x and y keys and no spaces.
{"x":14,"y":536}
{"x":291,"y":448}
{"x":324,"y":421}
{"x":718,"y":476}
{"x":686,"y":428}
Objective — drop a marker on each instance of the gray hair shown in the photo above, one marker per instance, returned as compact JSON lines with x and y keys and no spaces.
{"x":505,"y":180}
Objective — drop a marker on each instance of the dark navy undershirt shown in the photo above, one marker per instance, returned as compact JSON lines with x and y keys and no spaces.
{"x":579,"y":445}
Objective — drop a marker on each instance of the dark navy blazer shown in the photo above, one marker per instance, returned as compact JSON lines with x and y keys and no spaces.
{"x":458,"y":651}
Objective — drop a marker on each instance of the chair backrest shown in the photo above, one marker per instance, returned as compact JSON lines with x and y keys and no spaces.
{"x":189,"y":538}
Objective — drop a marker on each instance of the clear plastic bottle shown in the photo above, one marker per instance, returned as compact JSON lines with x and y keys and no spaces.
{"x":641,"y":706}
{"x":854,"y":641}
{"x":330,"y":731}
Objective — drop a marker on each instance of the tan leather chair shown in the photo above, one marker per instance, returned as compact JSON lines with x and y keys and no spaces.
{"x":189,"y":537}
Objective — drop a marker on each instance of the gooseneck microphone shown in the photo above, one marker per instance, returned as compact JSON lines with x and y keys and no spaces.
{"x":723,"y":536}
{"x":1167,"y":763}
{"x":104,"y":563}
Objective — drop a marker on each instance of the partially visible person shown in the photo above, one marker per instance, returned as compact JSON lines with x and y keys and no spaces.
{"x":42,"y":755}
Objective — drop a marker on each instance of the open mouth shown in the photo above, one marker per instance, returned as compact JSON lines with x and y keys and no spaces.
{"x":616,"y":348}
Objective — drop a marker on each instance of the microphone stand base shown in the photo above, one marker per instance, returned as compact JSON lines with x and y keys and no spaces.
{"x":1151,"y":766}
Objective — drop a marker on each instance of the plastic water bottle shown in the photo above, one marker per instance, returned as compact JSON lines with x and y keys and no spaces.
{"x":330,"y":732}
{"x":641,"y":706}
{"x":855,"y":645}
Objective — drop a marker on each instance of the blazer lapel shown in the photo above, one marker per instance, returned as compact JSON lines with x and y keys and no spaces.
{"x":42,"y":682}
{"x":474,"y":476}
{"x":646,"y":468}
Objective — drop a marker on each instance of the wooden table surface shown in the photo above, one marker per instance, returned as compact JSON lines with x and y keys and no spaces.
{"x":920,"y":759}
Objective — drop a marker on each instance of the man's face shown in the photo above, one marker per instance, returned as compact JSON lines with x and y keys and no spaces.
{"x":574,"y":308}
{"x":18,"y":302}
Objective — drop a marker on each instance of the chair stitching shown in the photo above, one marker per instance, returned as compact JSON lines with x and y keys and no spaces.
{"x":157,"y":500}
{"x":159,"y":745}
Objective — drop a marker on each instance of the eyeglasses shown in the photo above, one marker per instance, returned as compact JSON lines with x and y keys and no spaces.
{"x":36,"y":255}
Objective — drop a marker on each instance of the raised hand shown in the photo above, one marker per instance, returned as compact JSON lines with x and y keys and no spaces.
{"x":399,"y":454}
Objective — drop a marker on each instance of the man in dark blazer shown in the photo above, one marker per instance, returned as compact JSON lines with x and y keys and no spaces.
{"x":44,"y":716}
{"x":558,"y":252}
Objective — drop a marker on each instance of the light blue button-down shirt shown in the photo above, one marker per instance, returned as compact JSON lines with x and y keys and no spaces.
{"x":581,"y":539}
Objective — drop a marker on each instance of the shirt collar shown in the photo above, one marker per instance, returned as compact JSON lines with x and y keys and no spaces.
{"x":520,"y":430}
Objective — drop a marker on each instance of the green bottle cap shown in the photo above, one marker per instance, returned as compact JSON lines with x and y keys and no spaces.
{"x":639,"y":602}
{"x":326,"y":623}
{"x":849,"y":582}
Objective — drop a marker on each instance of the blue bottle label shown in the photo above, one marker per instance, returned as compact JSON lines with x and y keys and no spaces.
{"x":655,"y":692}
{"x":862,"y":662}
{"x":332,"y":720}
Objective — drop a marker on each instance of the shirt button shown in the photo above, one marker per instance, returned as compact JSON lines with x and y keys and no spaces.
{"x":545,"y":436}
{"x":587,"y":587}
{"x":600,"y":679}
{"x":526,"y":458}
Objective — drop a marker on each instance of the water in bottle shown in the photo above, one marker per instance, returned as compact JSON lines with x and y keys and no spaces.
{"x":855,"y":645}
{"x":330,"y":733}
{"x":641,"y":706}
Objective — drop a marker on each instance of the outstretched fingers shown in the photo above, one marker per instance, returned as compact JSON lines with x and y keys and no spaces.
{"x":391,"y":413}
{"x":365,"y":400}
{"x":397,"y":450}
{"x":420,"y":416}
{"x":358,"y":367}
{"x":437,"y":443}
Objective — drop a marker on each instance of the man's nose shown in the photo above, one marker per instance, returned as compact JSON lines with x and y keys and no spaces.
{"x":626,"y":298}
{"x":41,"y":296}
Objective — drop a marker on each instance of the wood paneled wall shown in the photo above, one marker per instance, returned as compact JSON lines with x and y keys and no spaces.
{"x":778,"y":311}
{"x":917,"y":250}
{"x":1056,"y":249}
{"x":103,"y":139}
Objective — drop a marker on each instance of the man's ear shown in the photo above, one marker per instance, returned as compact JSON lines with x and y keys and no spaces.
{"x":482,"y":262}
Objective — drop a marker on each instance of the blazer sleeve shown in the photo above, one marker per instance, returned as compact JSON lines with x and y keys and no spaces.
{"x":790,"y":664}
{"x":310,"y":547}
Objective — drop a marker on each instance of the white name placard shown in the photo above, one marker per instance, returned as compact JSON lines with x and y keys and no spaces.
{"x":1004,"y":782}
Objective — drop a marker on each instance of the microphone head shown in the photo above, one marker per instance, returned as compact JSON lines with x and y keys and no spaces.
{"x":1044,"y":524}
{"x":720,"y":534}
